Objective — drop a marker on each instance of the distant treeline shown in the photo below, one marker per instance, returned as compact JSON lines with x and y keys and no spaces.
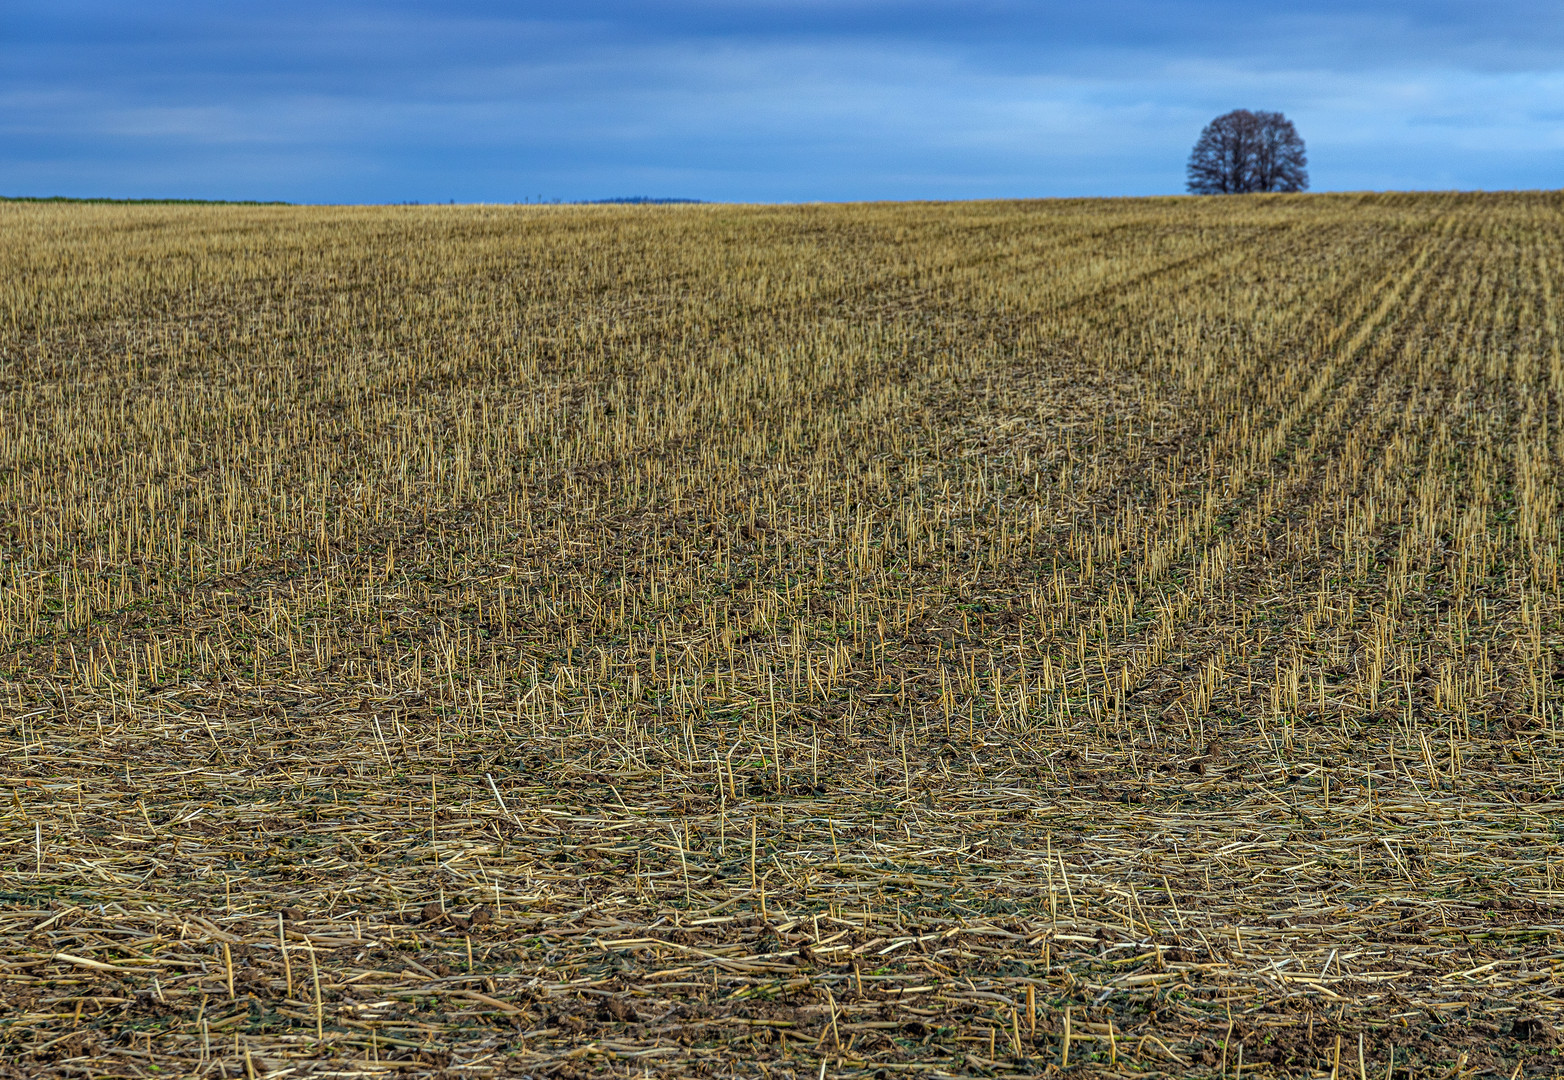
{"x":633,"y":200}
{"x":160,"y":202}
{"x":640,"y":200}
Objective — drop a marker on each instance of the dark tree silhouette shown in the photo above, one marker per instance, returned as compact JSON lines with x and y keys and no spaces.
{"x":1245,"y":151}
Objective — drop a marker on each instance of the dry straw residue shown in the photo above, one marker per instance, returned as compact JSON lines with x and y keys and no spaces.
{"x":799,"y":642}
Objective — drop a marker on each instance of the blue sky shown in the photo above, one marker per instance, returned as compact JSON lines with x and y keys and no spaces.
{"x":763,"y":100}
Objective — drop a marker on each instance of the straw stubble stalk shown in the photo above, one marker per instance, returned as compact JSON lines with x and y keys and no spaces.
{"x":320,"y":1021}
{"x":836,"y":1034}
{"x":684,"y":866}
{"x":287,"y":964}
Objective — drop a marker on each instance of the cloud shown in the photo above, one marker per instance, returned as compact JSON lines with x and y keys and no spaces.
{"x":340,"y":100}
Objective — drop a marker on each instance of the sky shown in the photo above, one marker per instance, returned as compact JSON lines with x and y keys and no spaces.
{"x":349,"y":101}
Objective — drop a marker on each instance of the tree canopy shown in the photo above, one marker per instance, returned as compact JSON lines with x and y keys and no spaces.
{"x":1244,"y":151}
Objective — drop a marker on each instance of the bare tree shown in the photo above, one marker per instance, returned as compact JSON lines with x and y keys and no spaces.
{"x":1245,"y":151}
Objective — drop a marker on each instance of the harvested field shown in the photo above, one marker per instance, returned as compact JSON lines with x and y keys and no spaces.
{"x":1105,"y":638}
